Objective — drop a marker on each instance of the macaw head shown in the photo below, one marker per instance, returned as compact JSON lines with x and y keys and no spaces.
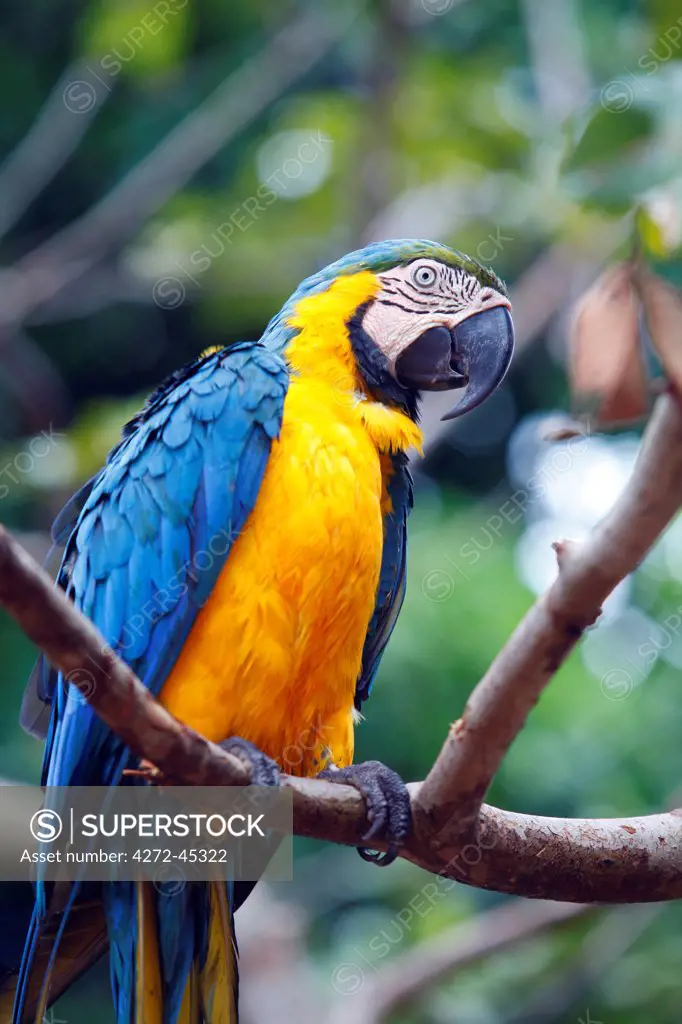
{"x":424,"y":317}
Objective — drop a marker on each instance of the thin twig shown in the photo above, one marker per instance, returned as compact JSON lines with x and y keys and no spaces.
{"x":32,"y":380}
{"x":607,"y":943}
{"x":47,"y":145}
{"x":407,"y":977}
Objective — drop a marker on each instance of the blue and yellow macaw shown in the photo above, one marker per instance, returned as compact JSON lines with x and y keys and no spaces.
{"x":243,"y":549}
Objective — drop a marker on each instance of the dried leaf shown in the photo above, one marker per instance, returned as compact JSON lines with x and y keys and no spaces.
{"x":606,"y":364}
{"x":630,"y":401}
{"x":663,"y":310}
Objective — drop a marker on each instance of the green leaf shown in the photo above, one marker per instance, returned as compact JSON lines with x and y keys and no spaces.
{"x":608,"y":136}
{"x":651,"y":233}
{"x":617,"y":189}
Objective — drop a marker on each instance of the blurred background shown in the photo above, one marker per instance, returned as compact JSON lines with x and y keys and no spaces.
{"x":171,"y":172}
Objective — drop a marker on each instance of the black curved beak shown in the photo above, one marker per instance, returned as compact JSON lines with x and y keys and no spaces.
{"x":483,"y":346}
{"x":475,"y":356}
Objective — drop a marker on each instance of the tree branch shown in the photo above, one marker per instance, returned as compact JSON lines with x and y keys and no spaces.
{"x":499,"y":705}
{"x":582,"y":860}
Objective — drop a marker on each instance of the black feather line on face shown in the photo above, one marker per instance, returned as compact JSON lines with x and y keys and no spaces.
{"x":407,"y":309}
{"x":419,"y":298}
{"x":374,"y":369}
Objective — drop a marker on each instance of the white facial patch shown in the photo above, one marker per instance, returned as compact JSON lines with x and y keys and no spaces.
{"x":422,"y":295}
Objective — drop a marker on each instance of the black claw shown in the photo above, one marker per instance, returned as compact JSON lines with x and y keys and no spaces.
{"x":264,"y":771}
{"x":388,"y":805}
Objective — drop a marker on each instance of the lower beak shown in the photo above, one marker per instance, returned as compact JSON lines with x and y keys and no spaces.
{"x":474,"y":356}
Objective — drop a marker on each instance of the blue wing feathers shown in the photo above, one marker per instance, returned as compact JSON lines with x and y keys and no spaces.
{"x":182,"y":481}
{"x":186,"y":476}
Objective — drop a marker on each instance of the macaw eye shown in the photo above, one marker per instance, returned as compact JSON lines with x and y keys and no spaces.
{"x":423,"y":276}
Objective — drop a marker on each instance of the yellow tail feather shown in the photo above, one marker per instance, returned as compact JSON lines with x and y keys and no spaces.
{"x":219,"y":976}
{"x":148,"y":990}
{"x":190,"y":1008}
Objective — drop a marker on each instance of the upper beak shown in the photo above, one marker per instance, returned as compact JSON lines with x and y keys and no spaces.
{"x":484,"y":346}
{"x":475,"y":356}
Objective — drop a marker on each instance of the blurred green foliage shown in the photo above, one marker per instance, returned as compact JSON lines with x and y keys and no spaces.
{"x":459,"y":138}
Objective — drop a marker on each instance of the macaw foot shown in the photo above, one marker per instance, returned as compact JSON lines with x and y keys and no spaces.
{"x":263,"y":770}
{"x":388,"y":805}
